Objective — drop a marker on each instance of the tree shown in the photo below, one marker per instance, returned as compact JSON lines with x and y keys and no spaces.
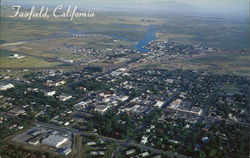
{"x":202,"y":154}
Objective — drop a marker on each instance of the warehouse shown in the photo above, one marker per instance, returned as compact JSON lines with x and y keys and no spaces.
{"x":54,"y":140}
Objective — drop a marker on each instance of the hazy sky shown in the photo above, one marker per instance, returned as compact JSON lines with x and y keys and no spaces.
{"x":240,"y":7}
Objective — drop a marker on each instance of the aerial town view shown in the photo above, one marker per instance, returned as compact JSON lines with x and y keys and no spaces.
{"x":124,"y":79}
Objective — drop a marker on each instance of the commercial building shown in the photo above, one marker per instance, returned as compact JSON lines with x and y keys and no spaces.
{"x":54,"y":140}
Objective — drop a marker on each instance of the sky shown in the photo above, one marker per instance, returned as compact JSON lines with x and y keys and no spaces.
{"x":227,"y":7}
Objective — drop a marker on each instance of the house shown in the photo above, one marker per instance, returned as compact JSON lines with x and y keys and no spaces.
{"x":123,"y":98}
{"x":173,"y":141}
{"x":144,"y":154}
{"x":91,"y":143}
{"x":144,"y":139}
{"x":81,"y":105}
{"x":60,"y":83}
{"x":159,"y":104}
{"x":64,"y":97}
{"x":5,"y":86}
{"x":232,"y":117}
{"x":50,"y":83}
{"x":101,"y":153}
{"x":17,"y":111}
{"x":102,"y":108}
{"x":205,"y":140}
{"x":49,"y":93}
{"x":66,"y":123}
{"x":129,"y":152}
{"x":105,"y":100}
{"x":16,"y":56}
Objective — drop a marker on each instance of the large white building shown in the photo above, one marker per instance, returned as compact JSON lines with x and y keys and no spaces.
{"x":5,"y":86}
{"x":54,"y":140}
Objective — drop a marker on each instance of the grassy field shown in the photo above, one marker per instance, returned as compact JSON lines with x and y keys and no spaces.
{"x":26,"y":62}
{"x":48,"y":48}
{"x":165,"y":36}
{"x":224,"y":33}
{"x":225,"y":63}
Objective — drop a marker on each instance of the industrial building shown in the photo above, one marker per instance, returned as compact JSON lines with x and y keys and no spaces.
{"x":54,"y":140}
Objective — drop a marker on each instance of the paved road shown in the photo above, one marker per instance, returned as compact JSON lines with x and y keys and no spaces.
{"x":109,"y":139}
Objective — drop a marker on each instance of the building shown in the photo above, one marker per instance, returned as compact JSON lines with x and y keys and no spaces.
{"x":81,"y":105}
{"x":49,"y":93}
{"x":65,"y":151}
{"x":17,"y":111}
{"x":65,"y":97}
{"x":144,"y":139}
{"x":60,"y":83}
{"x":5,"y":86}
{"x":101,"y":153}
{"x":54,"y":140}
{"x":91,"y":143}
{"x":34,"y":141}
{"x":129,"y":152}
{"x":50,"y":83}
{"x":102,"y":108}
{"x":144,"y":154}
{"x":175,"y":104}
{"x":196,"y":110}
{"x":16,"y":56}
{"x":159,"y":104}
{"x":123,"y":98}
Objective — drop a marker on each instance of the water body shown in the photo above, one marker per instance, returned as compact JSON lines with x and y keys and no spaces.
{"x":150,"y":36}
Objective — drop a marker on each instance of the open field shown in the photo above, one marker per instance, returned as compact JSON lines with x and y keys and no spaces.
{"x":26,"y":62}
{"x":225,"y":63}
{"x":226,"y":34}
{"x":165,"y":36}
{"x":47,"y":48}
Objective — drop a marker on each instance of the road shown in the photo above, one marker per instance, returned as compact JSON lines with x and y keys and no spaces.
{"x":77,"y":146}
{"x":109,"y":139}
